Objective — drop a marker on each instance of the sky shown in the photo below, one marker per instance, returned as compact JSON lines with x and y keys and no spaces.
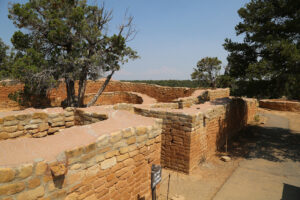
{"x":172,"y":35}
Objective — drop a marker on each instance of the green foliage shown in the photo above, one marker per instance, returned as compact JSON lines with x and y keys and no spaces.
{"x":4,"y":60}
{"x":207,"y":70}
{"x":270,"y":51}
{"x":65,"y":40}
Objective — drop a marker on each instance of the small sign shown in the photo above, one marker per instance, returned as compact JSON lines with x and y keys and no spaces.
{"x":155,"y":175}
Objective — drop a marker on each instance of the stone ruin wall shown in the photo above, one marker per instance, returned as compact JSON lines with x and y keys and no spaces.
{"x":40,"y":123}
{"x":188,"y":139}
{"x":160,"y":93}
{"x":116,"y":166}
{"x":56,"y":96}
{"x":282,"y":105}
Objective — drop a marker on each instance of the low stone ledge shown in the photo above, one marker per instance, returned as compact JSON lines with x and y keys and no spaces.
{"x":278,"y":104}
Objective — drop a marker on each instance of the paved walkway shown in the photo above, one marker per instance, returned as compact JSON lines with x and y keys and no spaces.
{"x":272,"y":168}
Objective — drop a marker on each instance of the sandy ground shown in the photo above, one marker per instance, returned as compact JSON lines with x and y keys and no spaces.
{"x":265,"y":165}
{"x":202,"y":183}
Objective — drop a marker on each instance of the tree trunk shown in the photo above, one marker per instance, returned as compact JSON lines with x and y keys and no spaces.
{"x":70,"y":92}
{"x":81,"y":88}
{"x":100,"y":91}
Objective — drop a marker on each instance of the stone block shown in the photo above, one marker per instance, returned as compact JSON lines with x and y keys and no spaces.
{"x":70,"y":109}
{"x":36,"y":121}
{"x":11,"y":123}
{"x":74,"y":152}
{"x":41,"y":168}
{"x":133,"y":153}
{"x":119,"y":144}
{"x":23,"y":117}
{"x":20,"y":127}
{"x":40,"y":134}
{"x":9,"y":118}
{"x":43,"y":127}
{"x":142,"y":138}
{"x":33,"y":131}
{"x":25,"y":170}
{"x":16,"y":134}
{"x":10,"y":129}
{"x":4,"y":135}
{"x":58,"y":169}
{"x":53,"y":115}
{"x":141,"y":130}
{"x":72,"y":196}
{"x":40,"y":115}
{"x":70,"y":118}
{"x":31,"y":126}
{"x":128,"y":132}
{"x":59,"y":123}
{"x":115,"y":137}
{"x":122,"y":157}
{"x":32,"y":194}
{"x":102,"y":141}
{"x":112,"y":154}
{"x":108,"y":163}
{"x":6,"y":175}
{"x":131,"y":140}
{"x":53,"y":130}
{"x":89,"y":148}
{"x":99,"y":158}
{"x":11,"y":189}
{"x":70,"y":124}
{"x":33,"y":183}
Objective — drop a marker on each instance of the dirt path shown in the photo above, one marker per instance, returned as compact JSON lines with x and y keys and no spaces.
{"x":272,"y":167}
{"x":265,"y":165}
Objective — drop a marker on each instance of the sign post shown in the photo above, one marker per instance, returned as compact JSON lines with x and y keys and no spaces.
{"x":155,"y":179}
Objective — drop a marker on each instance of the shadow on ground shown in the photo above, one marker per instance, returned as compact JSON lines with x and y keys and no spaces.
{"x":269,"y":143}
{"x":290,"y":192}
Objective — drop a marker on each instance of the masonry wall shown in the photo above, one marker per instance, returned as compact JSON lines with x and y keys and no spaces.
{"x":160,"y":93}
{"x":117,"y":92}
{"x":111,"y":98}
{"x":106,"y":98}
{"x":116,"y":166}
{"x":188,"y":140}
{"x":205,"y":95}
{"x":35,"y":123}
{"x":282,"y":105}
{"x":56,"y":96}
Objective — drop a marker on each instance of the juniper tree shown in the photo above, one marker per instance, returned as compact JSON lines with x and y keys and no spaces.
{"x":270,"y":51}
{"x":207,"y":70}
{"x":67,"y":40}
{"x":4,"y":58}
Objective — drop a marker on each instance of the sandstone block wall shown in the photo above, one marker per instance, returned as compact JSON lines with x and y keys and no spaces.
{"x":83,"y":118}
{"x":111,"y":98}
{"x":56,"y":96}
{"x":202,"y":96}
{"x":160,"y":93}
{"x":35,"y":123}
{"x":175,"y":138}
{"x":191,"y":137}
{"x":116,"y":166}
{"x":118,"y":92}
{"x":282,"y":105}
